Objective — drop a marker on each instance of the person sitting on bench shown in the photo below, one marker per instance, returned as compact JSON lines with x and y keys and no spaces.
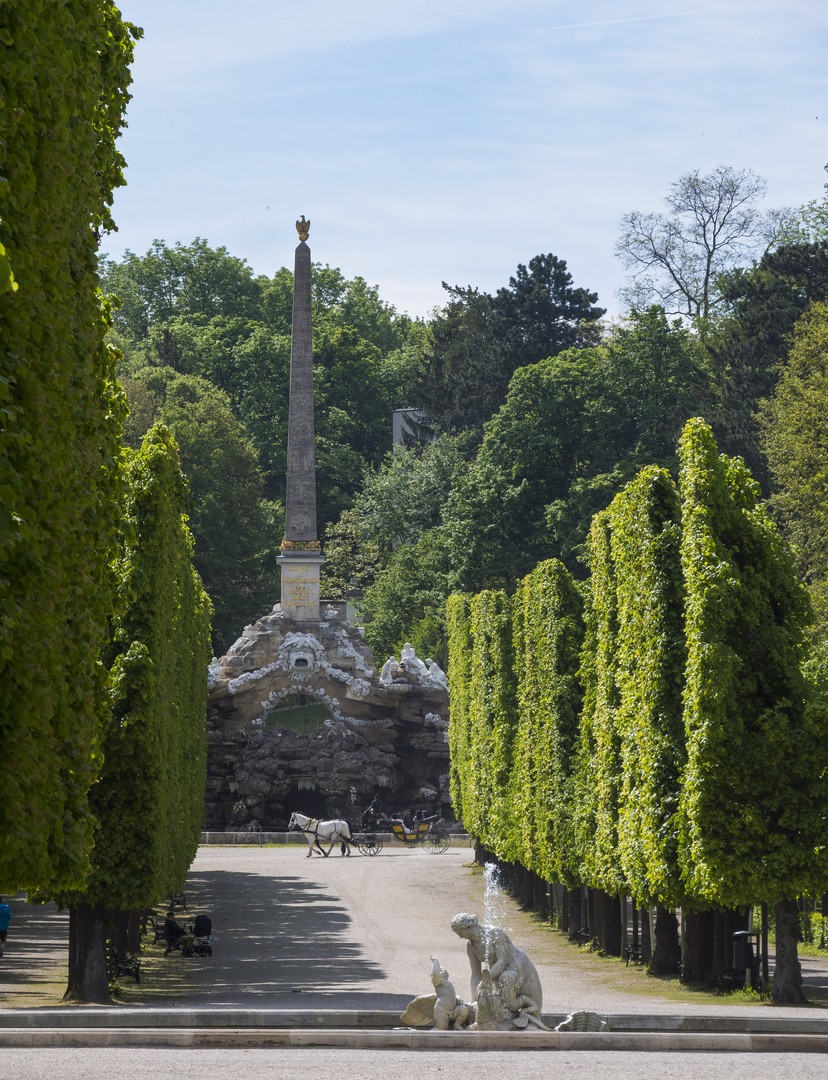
{"x":176,"y":935}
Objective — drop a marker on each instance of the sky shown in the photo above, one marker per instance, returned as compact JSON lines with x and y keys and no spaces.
{"x":451,"y":140}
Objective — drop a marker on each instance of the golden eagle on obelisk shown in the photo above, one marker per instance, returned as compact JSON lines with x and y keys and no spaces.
{"x":303,"y":228}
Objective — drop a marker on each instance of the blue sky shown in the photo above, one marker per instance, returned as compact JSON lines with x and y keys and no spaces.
{"x":432,"y":140}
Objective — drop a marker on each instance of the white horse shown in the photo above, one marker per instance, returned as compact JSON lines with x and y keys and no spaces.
{"x":337,"y":831}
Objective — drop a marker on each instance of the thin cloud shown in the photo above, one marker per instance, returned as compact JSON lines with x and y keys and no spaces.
{"x":634,"y":18}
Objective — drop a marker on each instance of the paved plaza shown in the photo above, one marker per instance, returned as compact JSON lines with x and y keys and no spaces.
{"x":358,"y":933}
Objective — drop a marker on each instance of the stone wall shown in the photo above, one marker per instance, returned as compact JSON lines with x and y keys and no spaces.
{"x":378,"y":739}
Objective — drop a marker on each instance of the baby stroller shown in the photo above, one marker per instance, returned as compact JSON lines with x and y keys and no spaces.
{"x":201,"y":928}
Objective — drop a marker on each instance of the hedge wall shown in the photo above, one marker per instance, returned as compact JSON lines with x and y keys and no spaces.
{"x":64,"y":72}
{"x":687,"y":760}
{"x":149,"y":798}
{"x":650,"y":661}
{"x":752,"y":808}
{"x":599,"y":755}
{"x":491,"y":724}
{"x":458,"y":621}
{"x":548,"y":634}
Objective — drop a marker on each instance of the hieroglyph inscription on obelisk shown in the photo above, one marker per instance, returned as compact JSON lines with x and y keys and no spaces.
{"x":301,"y":556}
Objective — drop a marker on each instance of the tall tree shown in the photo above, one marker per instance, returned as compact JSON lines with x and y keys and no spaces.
{"x":548,"y":633}
{"x":649,"y":674}
{"x":479,"y":340}
{"x":234,"y":527}
{"x":148,"y":801}
{"x":599,"y":753}
{"x":65,"y":90}
{"x":712,"y":224}
{"x":753,"y":809}
{"x":794,"y":429}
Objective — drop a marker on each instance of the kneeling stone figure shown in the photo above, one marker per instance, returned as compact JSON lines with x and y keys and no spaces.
{"x":504,"y":983}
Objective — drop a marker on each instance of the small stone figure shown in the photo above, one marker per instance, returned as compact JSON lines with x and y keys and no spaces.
{"x":389,"y":670}
{"x":449,"y":1011}
{"x":412,"y":662}
{"x":444,"y":1009}
{"x":435,"y":674}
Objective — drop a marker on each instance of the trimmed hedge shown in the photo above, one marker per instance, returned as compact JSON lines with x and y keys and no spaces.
{"x":599,"y":760}
{"x":752,"y":810}
{"x":548,"y":632}
{"x":491,"y":724}
{"x":687,"y":762}
{"x":64,"y":66}
{"x":650,"y":662}
{"x":149,"y":798}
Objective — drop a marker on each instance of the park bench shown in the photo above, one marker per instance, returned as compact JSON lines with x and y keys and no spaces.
{"x":119,"y":966}
{"x":632,"y":952}
{"x":157,"y":931}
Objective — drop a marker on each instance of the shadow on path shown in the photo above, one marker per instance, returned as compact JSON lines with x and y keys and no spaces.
{"x":33,"y":970}
{"x":272,"y":936}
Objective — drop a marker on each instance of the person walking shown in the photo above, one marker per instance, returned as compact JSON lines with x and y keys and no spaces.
{"x":5,"y":918}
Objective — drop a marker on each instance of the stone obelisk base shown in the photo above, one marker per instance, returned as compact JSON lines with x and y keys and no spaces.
{"x":300,"y":584}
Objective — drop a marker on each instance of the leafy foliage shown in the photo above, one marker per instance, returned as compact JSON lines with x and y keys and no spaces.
{"x":65,"y":74}
{"x":479,"y":341}
{"x":599,"y":764}
{"x":795,"y":439}
{"x":548,"y":634}
{"x":752,"y":805}
{"x":490,"y":724}
{"x":235,"y":528}
{"x":458,"y":618}
{"x":646,"y":536}
{"x":750,"y":347}
{"x":148,"y":801}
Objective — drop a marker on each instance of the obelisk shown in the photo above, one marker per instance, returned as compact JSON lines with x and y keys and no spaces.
{"x":301,"y":554}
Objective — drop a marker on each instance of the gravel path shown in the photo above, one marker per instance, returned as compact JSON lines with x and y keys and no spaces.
{"x":357,"y":932}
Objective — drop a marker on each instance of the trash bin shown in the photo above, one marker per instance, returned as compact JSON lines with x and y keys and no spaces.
{"x":745,"y":957}
{"x":742,"y":950}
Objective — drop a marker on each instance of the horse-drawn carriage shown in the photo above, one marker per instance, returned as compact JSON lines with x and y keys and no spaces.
{"x":423,"y":831}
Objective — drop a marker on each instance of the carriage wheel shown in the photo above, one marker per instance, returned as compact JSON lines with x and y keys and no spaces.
{"x":369,"y":844}
{"x":436,"y":841}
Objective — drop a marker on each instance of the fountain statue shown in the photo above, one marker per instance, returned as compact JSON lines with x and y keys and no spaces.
{"x":505,"y":986}
{"x":443,"y":1008}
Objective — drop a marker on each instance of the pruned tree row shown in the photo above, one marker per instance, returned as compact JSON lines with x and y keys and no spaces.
{"x":658,"y":732}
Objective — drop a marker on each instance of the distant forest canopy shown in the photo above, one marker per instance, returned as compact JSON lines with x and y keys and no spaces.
{"x":539,"y":410}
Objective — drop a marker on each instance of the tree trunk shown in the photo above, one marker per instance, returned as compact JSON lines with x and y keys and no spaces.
{"x":765,"y":970}
{"x":787,"y":979}
{"x":527,"y":889}
{"x":590,"y":912}
{"x":124,"y":930}
{"x":575,"y":907}
{"x":697,"y":954}
{"x":596,"y":916}
{"x":610,"y":924}
{"x":634,"y":914}
{"x":542,"y":899}
{"x":622,"y":911}
{"x":646,"y":937}
{"x":667,"y":952}
{"x":562,"y":894}
{"x":88,"y":981}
